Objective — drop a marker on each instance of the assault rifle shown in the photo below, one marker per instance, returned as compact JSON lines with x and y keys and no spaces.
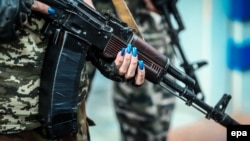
{"x":77,"y":28}
{"x":168,"y":9}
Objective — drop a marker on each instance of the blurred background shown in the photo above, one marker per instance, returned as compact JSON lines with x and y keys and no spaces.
{"x":217,"y":31}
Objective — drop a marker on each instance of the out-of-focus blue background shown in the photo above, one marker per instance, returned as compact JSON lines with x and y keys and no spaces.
{"x":217,"y":31}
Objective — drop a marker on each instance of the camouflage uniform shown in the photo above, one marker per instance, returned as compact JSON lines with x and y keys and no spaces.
{"x":20,"y":67}
{"x":144,"y":113}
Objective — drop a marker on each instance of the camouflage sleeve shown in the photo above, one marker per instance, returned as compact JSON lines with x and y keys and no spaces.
{"x":12,"y":14}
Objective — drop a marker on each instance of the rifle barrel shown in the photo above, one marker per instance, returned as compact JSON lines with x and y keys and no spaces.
{"x":190,"y":98}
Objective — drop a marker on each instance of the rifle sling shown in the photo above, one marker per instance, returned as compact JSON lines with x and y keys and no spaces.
{"x":125,"y":15}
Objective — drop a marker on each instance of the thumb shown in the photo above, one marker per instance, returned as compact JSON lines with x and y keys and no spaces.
{"x":42,"y":8}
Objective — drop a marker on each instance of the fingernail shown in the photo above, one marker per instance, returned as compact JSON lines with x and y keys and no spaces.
{"x":134,"y":51}
{"x":129,"y":48}
{"x":141,"y":65}
{"x":123,"y":52}
{"x":51,"y":11}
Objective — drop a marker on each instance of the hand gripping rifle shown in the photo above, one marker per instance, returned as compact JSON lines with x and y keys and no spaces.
{"x":77,"y":27}
{"x":168,"y":9}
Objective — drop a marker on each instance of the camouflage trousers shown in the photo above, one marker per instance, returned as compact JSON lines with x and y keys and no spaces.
{"x":144,"y":113}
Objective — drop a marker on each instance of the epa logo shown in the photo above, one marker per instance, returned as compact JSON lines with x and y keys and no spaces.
{"x":239,"y":134}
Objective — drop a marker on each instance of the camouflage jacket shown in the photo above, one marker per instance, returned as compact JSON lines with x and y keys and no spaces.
{"x":20,"y":69}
